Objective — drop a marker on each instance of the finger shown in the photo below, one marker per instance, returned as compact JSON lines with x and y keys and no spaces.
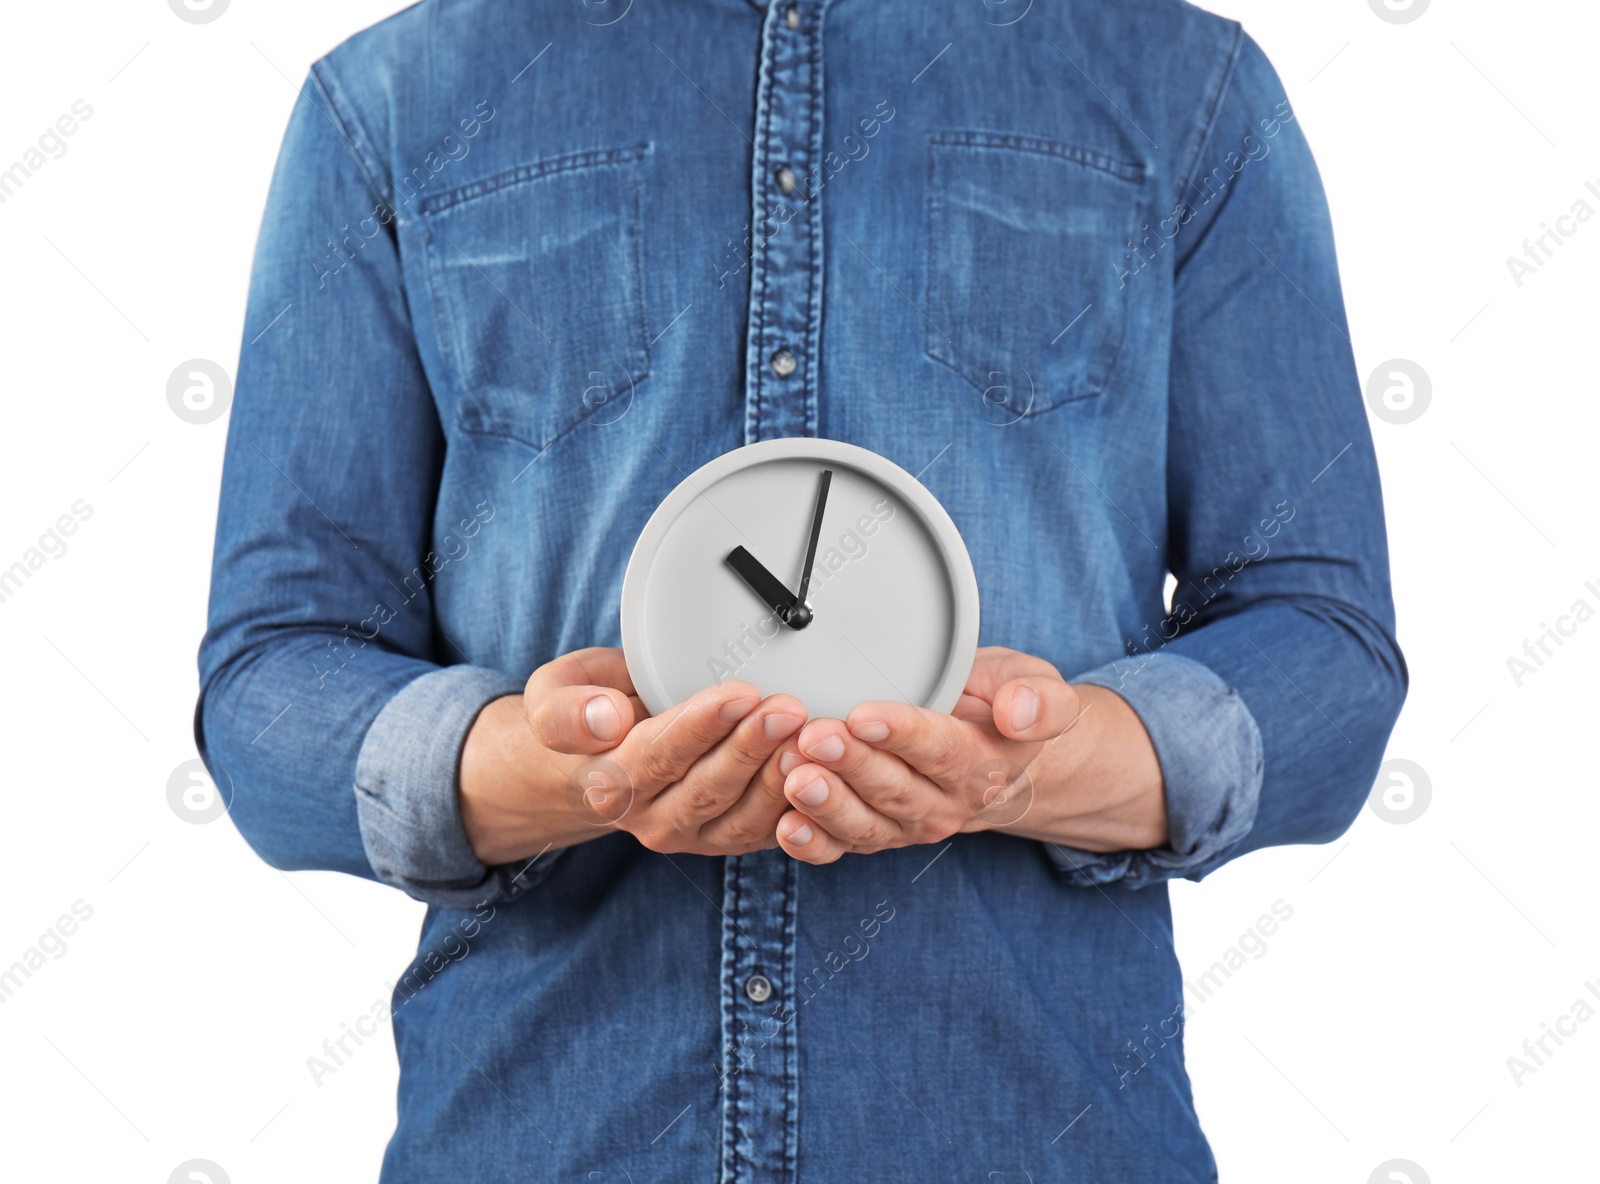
{"x":750,"y":823}
{"x":824,"y":798}
{"x":807,"y":841}
{"x":596,"y":666}
{"x":661,"y":750}
{"x":582,"y":720}
{"x":996,"y":665}
{"x":719,"y":778}
{"x":940,"y":747}
{"x":881,"y":779}
{"x":790,"y":758}
{"x":1035,"y":708}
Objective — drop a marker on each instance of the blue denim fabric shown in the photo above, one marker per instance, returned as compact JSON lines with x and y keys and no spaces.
{"x":525,"y":265}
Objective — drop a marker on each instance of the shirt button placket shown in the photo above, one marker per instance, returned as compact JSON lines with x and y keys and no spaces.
{"x":760,"y":1062}
{"x":783,"y":329}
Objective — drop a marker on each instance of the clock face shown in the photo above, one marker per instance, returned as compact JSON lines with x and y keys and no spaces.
{"x":806,"y":567}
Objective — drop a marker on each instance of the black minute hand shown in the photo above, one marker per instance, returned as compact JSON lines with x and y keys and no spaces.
{"x":801,"y":617}
{"x":762,"y":582}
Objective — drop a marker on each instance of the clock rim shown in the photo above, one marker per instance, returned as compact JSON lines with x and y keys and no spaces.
{"x":963,"y":648}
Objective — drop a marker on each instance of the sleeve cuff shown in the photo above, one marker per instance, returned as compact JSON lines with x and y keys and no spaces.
{"x":407,"y":782}
{"x":1211,"y":763}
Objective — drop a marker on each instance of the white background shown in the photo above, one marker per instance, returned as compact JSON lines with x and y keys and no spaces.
{"x":1378,"y":1022}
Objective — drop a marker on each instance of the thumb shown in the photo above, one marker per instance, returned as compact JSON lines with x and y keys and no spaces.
{"x":1039,"y":707}
{"x":582,"y":702}
{"x":581,"y":721}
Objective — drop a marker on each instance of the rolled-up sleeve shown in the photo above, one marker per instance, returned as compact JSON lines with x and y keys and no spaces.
{"x":1209,"y":749}
{"x":407,"y":781}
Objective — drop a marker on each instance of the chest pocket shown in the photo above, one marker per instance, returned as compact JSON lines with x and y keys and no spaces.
{"x":1026,"y":250}
{"x":538,"y":291}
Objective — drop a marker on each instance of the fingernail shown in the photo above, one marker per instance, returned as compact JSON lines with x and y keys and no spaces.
{"x":872,"y":731}
{"x":813,"y":794}
{"x":779,"y":727}
{"x":1024,"y":708}
{"x":601,"y":718}
{"x":829,"y":749}
{"x":596,"y":800}
{"x":735,"y":711}
{"x":801,"y":836}
{"x":789,"y":762}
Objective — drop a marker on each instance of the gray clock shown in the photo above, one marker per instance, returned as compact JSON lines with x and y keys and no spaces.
{"x":808,"y":567}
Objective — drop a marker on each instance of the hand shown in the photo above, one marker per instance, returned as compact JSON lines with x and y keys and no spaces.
{"x":702,"y":777}
{"x":892,"y":775}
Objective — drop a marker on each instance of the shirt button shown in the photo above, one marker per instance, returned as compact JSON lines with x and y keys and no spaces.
{"x":792,"y":17}
{"x":784,"y":363}
{"x":758,"y":987}
{"x":787,"y":180}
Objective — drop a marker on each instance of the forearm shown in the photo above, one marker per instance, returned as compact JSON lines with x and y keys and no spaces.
{"x":515,"y":794}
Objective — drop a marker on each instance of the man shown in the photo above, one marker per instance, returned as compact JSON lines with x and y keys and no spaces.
{"x":526,"y":265}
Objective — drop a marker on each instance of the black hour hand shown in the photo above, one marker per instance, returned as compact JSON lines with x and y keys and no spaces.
{"x":763,"y":583}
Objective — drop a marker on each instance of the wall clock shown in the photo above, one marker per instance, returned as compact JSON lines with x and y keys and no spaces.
{"x":809,"y":567}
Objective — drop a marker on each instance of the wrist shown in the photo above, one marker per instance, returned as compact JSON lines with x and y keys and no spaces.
{"x":1098,"y":785}
{"x":512,"y":790}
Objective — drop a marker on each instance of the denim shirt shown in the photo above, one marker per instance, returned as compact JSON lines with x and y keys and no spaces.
{"x":523,"y":267}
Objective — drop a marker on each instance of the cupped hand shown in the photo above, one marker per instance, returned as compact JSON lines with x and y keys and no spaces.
{"x":893,"y":775}
{"x":700,"y":778}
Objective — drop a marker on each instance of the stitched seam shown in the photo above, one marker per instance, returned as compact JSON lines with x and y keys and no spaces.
{"x":758,"y":296}
{"x":930,"y":296}
{"x":444,"y":319}
{"x":343,"y":126}
{"x":810,"y":411}
{"x":1215,"y":110}
{"x":980,"y":141}
{"x":536,"y":171}
{"x":790,"y":1041}
{"x":736,"y":1098}
{"x":636,"y":233}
